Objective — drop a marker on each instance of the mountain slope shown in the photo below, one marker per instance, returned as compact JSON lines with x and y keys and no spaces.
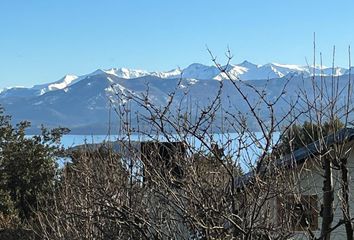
{"x":83,"y":103}
{"x":244,"y":71}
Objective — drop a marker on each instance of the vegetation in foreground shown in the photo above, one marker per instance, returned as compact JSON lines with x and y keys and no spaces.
{"x":177,"y":189}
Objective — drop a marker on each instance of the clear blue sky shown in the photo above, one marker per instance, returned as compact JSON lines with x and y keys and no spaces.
{"x":42,"y":40}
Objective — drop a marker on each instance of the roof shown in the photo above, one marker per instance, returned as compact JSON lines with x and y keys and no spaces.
{"x":116,"y":146}
{"x":299,"y":156}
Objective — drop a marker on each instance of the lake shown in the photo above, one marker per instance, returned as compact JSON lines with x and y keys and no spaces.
{"x":245,"y":150}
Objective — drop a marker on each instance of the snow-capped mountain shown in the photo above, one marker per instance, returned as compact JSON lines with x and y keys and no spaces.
{"x":62,"y":83}
{"x":244,"y":71}
{"x":82,"y":103}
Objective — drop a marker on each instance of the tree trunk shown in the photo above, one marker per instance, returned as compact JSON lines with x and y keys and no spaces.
{"x":345,"y":201}
{"x":328,"y":197}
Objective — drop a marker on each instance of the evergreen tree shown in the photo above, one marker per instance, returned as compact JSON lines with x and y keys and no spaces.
{"x":298,"y":136}
{"x":27,"y":166}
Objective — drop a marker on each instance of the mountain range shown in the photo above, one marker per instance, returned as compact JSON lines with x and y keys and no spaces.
{"x":83,"y":103}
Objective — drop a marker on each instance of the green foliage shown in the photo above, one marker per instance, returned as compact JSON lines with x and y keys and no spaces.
{"x":27,"y":166}
{"x":298,"y":136}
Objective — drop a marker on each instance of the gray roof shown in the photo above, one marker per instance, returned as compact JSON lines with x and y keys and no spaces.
{"x":299,"y":156}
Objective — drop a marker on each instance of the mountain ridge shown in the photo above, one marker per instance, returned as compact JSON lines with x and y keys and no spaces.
{"x":83,"y":103}
{"x":243,"y":71}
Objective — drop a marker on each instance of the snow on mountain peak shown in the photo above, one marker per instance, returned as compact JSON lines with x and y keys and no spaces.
{"x":130,"y":73}
{"x":62,"y":83}
{"x":243,"y":71}
{"x":200,"y":71}
{"x":174,"y":73}
{"x":288,"y":66}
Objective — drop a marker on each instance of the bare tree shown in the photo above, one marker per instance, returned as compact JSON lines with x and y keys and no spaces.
{"x":174,"y":178}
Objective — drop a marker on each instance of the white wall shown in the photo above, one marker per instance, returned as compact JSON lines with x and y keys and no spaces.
{"x":311,"y":182}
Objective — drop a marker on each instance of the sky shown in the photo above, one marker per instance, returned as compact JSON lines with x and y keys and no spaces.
{"x":43,"y":40}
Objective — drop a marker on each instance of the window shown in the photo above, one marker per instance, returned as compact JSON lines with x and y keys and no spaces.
{"x":300,"y":212}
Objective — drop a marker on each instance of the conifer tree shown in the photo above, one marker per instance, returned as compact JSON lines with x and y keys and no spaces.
{"x":27,"y":166}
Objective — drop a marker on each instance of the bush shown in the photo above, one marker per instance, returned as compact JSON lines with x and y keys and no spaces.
{"x":28,"y":167}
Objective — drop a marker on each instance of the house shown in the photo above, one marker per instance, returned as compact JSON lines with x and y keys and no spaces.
{"x":162,"y":159}
{"x":143,"y":159}
{"x":302,"y":208}
{"x":299,"y":205}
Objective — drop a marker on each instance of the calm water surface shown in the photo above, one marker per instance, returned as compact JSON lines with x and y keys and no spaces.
{"x":230,"y":141}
